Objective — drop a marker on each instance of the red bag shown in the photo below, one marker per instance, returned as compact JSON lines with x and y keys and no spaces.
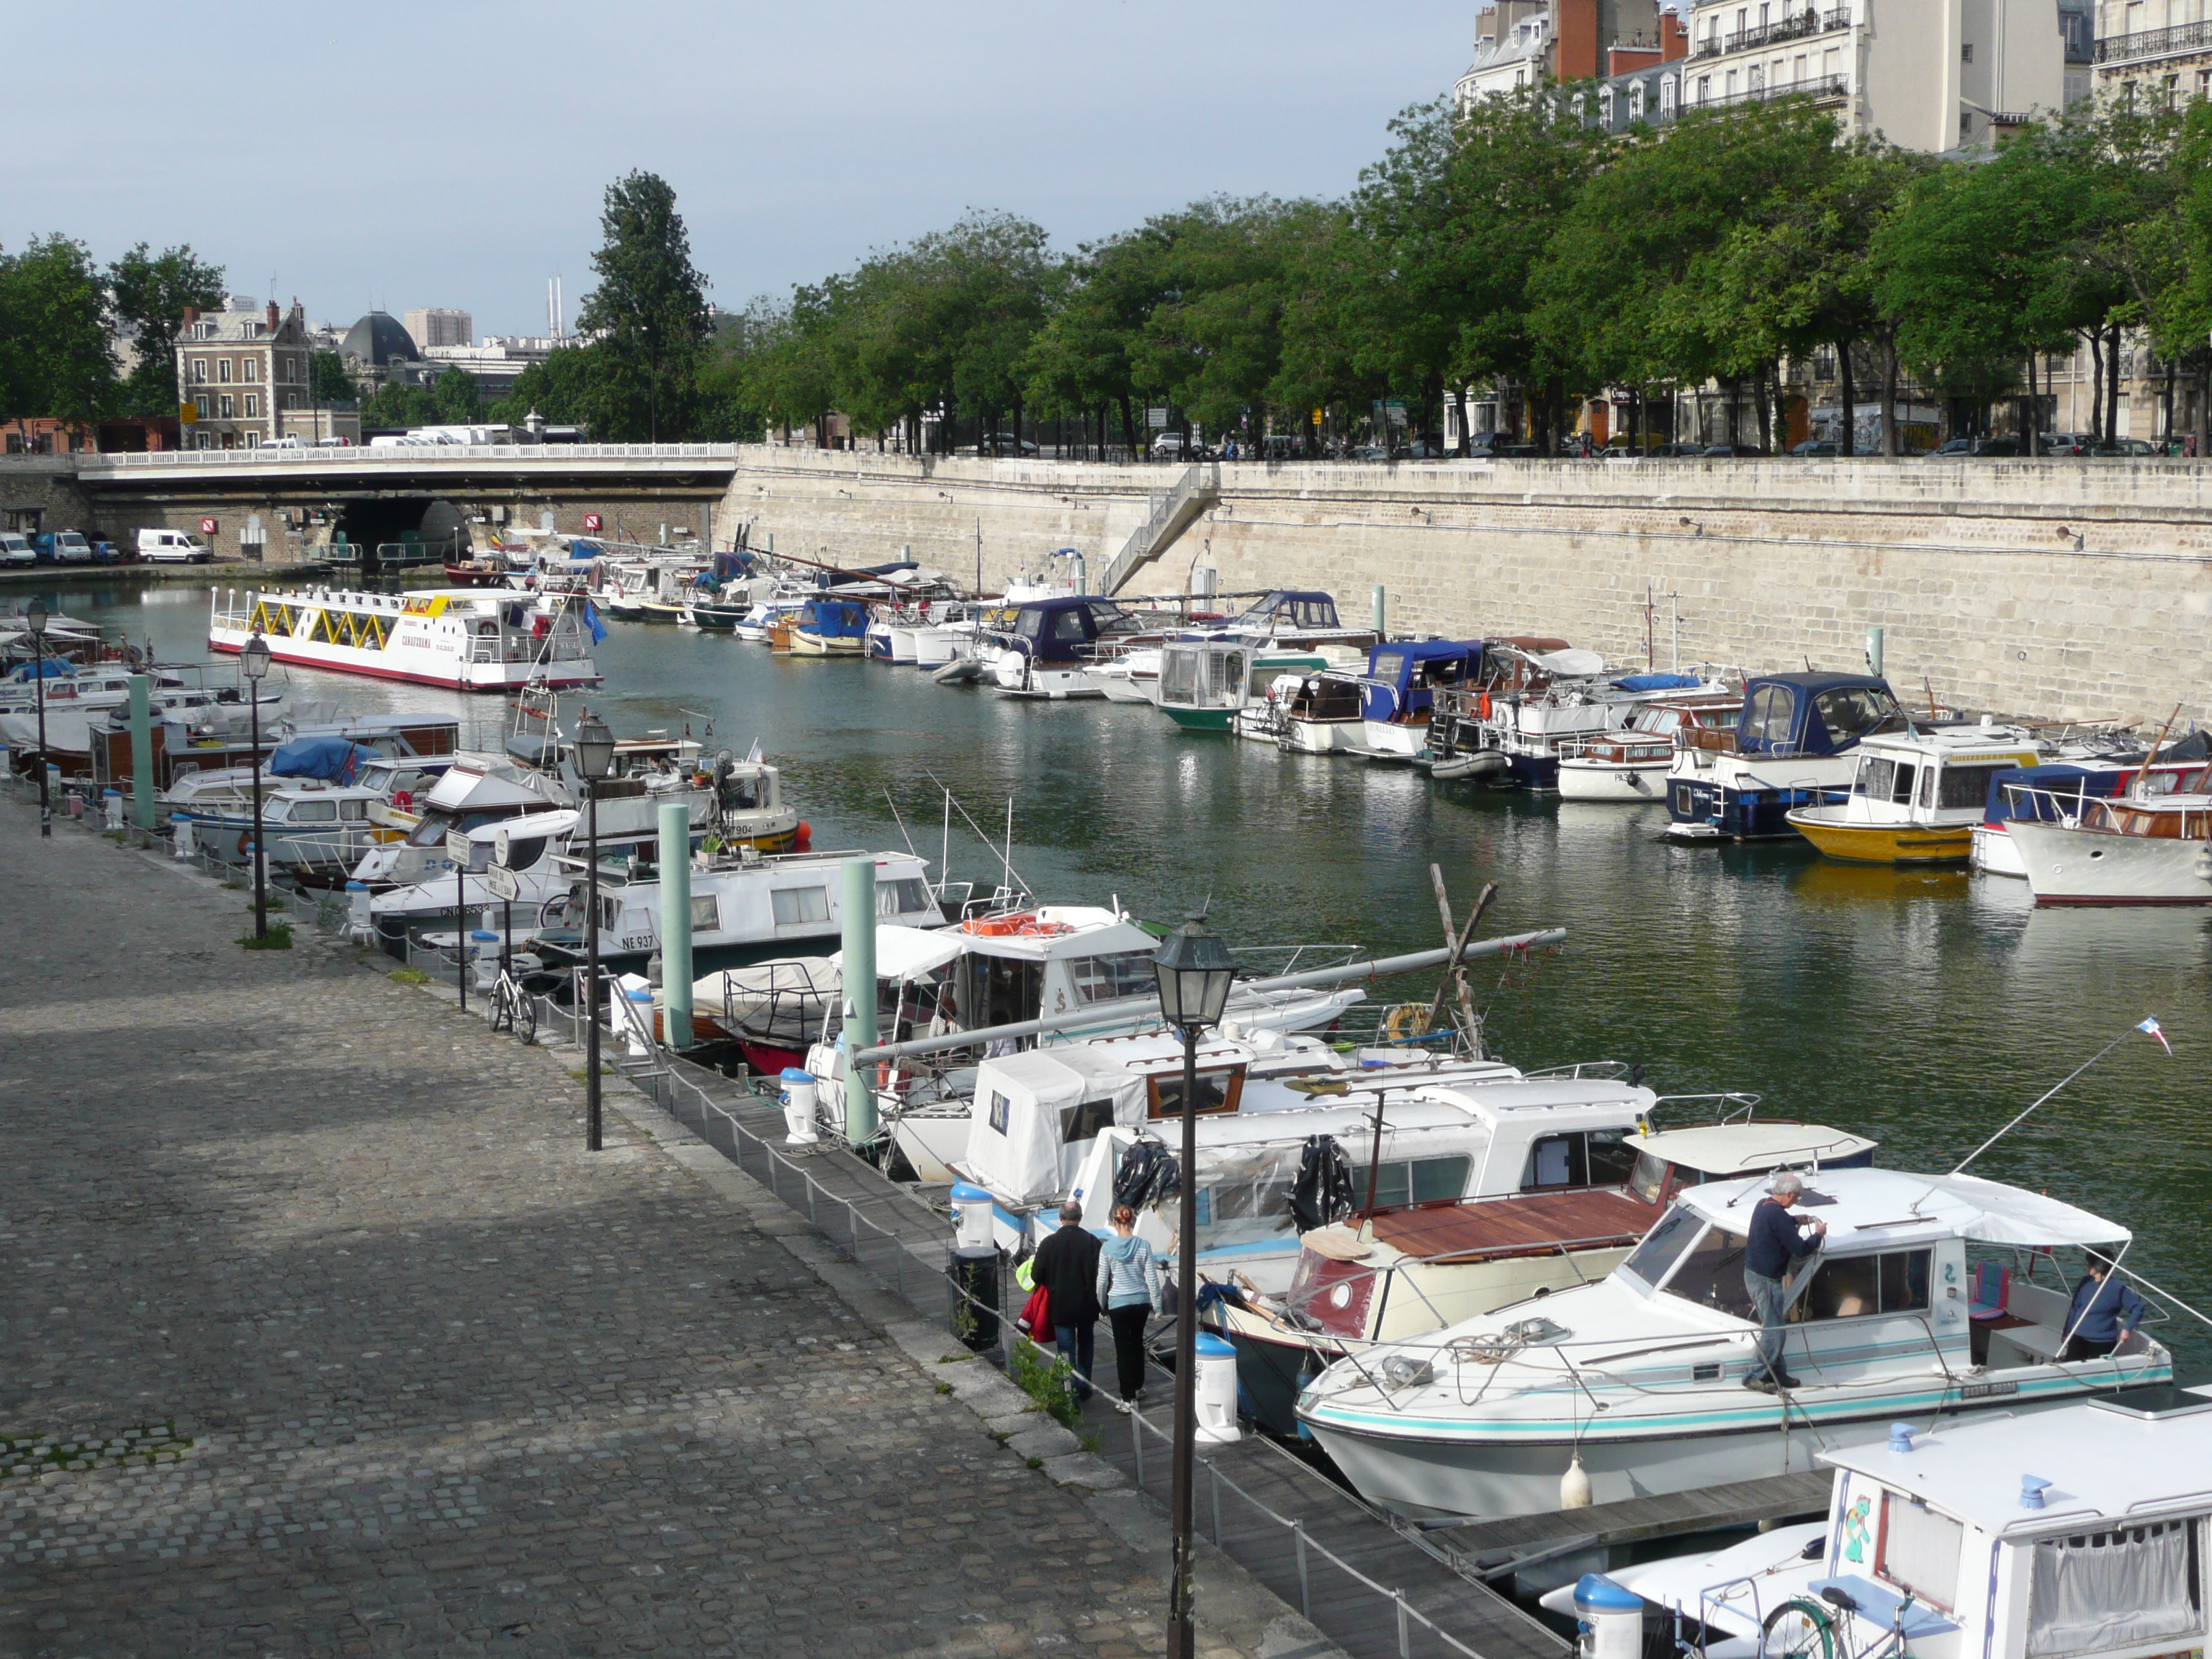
{"x":1035,"y":1322}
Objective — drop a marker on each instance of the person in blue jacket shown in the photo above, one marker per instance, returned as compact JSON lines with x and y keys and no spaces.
{"x":1776,"y":1243}
{"x":2105,"y":1312}
{"x":1130,"y":1284}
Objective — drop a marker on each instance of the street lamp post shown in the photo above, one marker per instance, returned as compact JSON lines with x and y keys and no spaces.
{"x":254,"y":663}
{"x":1194,"y":972}
{"x":34,"y":617}
{"x":595,"y":758}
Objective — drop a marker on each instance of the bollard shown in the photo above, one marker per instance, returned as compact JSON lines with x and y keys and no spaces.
{"x":638,"y":994}
{"x":142,"y":751}
{"x":676,"y":924}
{"x":857,"y":915}
{"x":111,"y":809}
{"x":1215,"y":1389}
{"x":484,"y":953}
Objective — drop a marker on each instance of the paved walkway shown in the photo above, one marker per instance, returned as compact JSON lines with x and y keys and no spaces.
{"x":323,"y":1336}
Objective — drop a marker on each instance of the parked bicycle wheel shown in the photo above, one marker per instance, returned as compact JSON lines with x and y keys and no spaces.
{"x":525,"y":1015}
{"x":502,"y":1006}
{"x":1798,"y":1630}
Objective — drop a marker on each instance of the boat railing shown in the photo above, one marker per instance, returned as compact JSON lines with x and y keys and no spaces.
{"x":2046,"y":806}
{"x":1730,"y":1106}
{"x":1582,"y":1070}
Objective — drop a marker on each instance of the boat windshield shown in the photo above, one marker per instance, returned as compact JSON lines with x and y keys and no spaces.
{"x":1663,"y":1246}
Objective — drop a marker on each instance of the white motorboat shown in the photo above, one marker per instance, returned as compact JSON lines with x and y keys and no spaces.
{"x":2130,"y":850}
{"x":1917,"y":795}
{"x":1630,"y":763}
{"x":2059,"y":791}
{"x":105,"y":685}
{"x":2072,"y":1533}
{"x":1794,"y":743}
{"x":1127,"y":676}
{"x":1641,"y":1378}
{"x":1319,"y":715}
{"x":1399,"y":693}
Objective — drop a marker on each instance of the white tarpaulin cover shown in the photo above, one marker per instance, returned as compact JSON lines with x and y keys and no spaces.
{"x":2097,"y":1591}
{"x":904,"y":953}
{"x":1865,"y":1207}
{"x":1015,"y":1121}
{"x":2010,"y":1215}
{"x":1571,"y":664}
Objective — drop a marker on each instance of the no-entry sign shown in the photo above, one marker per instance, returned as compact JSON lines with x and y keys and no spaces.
{"x":591,"y":522}
{"x":207,"y":526}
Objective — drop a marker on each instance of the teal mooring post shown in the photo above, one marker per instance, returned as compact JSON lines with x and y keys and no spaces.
{"x":676,"y":923}
{"x":857,"y":911}
{"x":142,"y":751}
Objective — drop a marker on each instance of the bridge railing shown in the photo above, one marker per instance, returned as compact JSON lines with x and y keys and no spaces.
{"x":410,"y":455}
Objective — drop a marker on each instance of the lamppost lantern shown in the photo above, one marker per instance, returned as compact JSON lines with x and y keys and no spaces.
{"x":253,"y":661}
{"x":595,"y":759}
{"x":1194,"y":972}
{"x":34,"y":618}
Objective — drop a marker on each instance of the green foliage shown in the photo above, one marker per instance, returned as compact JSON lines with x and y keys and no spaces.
{"x":1050,"y":1383}
{"x":648,"y":313}
{"x":560,"y":389}
{"x":331,"y":384}
{"x":149,"y":291}
{"x":453,"y":399}
{"x":57,"y":358}
{"x":279,"y":938}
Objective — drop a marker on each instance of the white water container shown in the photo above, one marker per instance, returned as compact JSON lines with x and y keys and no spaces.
{"x":1216,"y":1391}
{"x":484,"y":946}
{"x":800,"y":1092}
{"x":971,"y":1217}
{"x":180,"y":843}
{"x":637,"y":1023}
{"x":111,"y":806}
{"x":1609,"y":1619}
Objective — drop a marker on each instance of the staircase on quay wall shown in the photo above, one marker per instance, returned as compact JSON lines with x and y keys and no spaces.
{"x":1174,"y":510}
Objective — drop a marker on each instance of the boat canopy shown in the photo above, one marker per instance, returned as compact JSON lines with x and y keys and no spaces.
{"x":1057,"y":630}
{"x":1813,"y":714}
{"x":1403,"y":676}
{"x":1657,"y":683}
{"x":909,"y":953}
{"x":834,"y":619}
{"x":1720,"y":1151}
{"x":45,"y":668}
{"x":1892,"y":1206}
{"x":1290,"y":608}
{"x":333,"y":760}
{"x":2043,"y":791}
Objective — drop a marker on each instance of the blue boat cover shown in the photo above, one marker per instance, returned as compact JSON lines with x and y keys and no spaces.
{"x":47,"y":668}
{"x":1056,"y":630}
{"x":1657,"y":683}
{"x":1811,"y":713}
{"x":834,"y":619}
{"x":1403,"y":675}
{"x":333,"y":760}
{"x":2063,"y":783}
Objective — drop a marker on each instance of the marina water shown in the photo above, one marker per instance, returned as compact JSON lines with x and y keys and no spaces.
{"x":1922,"y":1007}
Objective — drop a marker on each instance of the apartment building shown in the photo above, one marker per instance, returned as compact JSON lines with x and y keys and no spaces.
{"x":2160,"y":50}
{"x":433,"y":326}
{"x":239,"y":370}
{"x":1528,"y":42}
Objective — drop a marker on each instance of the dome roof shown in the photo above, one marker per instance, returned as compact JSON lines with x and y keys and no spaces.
{"x":379,"y":339}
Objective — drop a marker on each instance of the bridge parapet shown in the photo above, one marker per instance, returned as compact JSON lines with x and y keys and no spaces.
{"x":232,"y":466}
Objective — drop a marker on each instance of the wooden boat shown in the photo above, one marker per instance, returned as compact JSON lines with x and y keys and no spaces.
{"x":475,"y":573}
{"x":2128,"y":851}
{"x":1917,"y":795}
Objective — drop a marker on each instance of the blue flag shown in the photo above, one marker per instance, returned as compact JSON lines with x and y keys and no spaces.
{"x":592,"y":621}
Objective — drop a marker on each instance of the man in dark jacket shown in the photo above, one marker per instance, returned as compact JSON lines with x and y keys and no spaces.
{"x":1774,"y":1244}
{"x":1066,"y":1265}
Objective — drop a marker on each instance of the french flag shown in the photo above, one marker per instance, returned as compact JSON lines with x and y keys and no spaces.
{"x":2151,"y":1027}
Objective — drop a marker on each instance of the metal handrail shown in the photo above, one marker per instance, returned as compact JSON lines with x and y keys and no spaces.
{"x":2153,"y":43}
{"x":412,"y":455}
{"x":1816,"y":86}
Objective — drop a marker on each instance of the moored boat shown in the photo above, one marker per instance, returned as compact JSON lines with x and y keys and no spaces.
{"x":1793,"y":744}
{"x":1917,"y":795}
{"x":2128,"y":850}
{"x":466,"y":639}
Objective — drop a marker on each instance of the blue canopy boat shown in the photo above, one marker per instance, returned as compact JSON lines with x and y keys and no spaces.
{"x":1040,"y":648}
{"x":1793,"y":746}
{"x":830,"y":628}
{"x":1400,"y":691}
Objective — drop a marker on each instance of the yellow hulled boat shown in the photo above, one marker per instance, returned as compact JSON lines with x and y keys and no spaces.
{"x":1917,"y":794}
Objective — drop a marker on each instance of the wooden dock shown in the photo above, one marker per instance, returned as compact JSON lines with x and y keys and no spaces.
{"x":1492,"y":1546}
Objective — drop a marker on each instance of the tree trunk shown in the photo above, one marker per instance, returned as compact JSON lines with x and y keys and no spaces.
{"x":1889,"y":394}
{"x":1845,"y":445}
{"x":2166,"y":426}
{"x":2204,"y":403}
{"x":1128,"y":424}
{"x":2097,"y":385}
{"x":2027,"y":412}
{"x":1459,"y":403}
{"x":2112,"y":394}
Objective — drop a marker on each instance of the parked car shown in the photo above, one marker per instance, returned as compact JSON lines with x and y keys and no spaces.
{"x":1426,"y":447}
{"x":16,"y":549}
{"x":1370,"y":452}
{"x":1174,"y":446}
{"x":1991,"y":449}
{"x":1816,"y":449}
{"x":1500,"y":446}
{"x":2127,"y":447}
{"x":2064,"y":443}
{"x":1730,"y":451}
{"x":1007,"y":444}
{"x":1281,"y":446}
{"x":172,"y":547}
{"x":64,"y":547}
{"x":1677,"y":452}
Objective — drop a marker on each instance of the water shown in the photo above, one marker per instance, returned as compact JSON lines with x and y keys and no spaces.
{"x":1923,"y":1008}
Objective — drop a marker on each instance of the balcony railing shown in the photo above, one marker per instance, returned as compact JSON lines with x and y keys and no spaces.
{"x":1808,"y":22}
{"x":2155,"y":43}
{"x":1819,"y":87}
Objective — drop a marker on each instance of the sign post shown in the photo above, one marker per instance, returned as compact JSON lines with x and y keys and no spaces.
{"x":503,"y":884}
{"x":457,"y":848}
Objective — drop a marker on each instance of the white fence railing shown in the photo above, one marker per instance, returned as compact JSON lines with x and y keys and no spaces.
{"x":405,"y":456}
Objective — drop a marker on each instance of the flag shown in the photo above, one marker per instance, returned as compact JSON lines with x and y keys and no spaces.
{"x":2151,"y":1027}
{"x":592,"y":621}
{"x":753,"y":755}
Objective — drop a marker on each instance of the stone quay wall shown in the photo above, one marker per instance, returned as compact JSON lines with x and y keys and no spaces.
{"x":2065,"y":589}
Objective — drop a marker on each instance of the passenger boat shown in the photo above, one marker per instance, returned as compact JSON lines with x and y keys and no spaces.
{"x":1205,"y":684}
{"x":1400,"y":691}
{"x":465,"y":640}
{"x":1584,"y":1193}
{"x":1794,"y":743}
{"x":2075,"y":1531}
{"x":830,"y":628}
{"x":1630,"y":762}
{"x":1641,"y":1378}
{"x":2131,"y":849}
{"x":1917,"y":795}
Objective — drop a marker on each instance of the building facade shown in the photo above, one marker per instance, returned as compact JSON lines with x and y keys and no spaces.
{"x":241,"y":370}
{"x":1531,"y":43}
{"x":432,"y":326}
{"x":2160,"y":50}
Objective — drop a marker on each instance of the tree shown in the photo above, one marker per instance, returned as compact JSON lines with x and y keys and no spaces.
{"x":458,"y":398}
{"x":648,"y":313}
{"x":56,"y":351}
{"x":562,"y":390}
{"x":328,"y":381}
{"x":150,"y":293}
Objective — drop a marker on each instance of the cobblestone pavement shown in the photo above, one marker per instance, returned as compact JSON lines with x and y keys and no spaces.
{"x":323,"y":1336}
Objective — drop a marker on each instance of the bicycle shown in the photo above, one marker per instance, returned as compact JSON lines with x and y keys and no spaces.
{"x":1802,"y":1628}
{"x":512,"y":1008}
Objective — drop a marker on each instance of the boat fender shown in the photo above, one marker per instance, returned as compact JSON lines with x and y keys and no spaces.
{"x":245,"y":843}
{"x":1482,"y":706}
{"x":803,"y":838}
{"x":1575,"y":1485}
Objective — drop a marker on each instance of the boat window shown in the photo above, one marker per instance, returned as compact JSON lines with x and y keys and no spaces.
{"x":353,"y":811}
{"x":1085,"y":1121}
{"x":521,"y":855}
{"x":1711,"y":1274}
{"x":1067,"y":625}
{"x":314,"y":812}
{"x":1401,"y":1182}
{"x":1675,"y":1232}
{"x":2131,"y":1587}
{"x":1920,"y":1550}
{"x":1001,"y":1108}
{"x":1108,"y":979}
{"x":1390,"y":666}
{"x":1179,"y":676}
{"x":800,"y":904}
{"x":1031,"y":624}
{"x":903,"y":897}
{"x":1854,"y":711}
{"x":1648,"y":1181}
{"x":706,"y":913}
{"x":1596,"y":1158}
{"x":1886,"y":779}
{"x":1218,"y":1092}
{"x":1316,"y":613}
{"x":1227,"y":676}
{"x":1968,"y":787}
{"x":998,"y":990}
{"x":1766,"y":717}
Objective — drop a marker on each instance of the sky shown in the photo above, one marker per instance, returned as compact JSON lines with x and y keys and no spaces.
{"x":406,"y":155}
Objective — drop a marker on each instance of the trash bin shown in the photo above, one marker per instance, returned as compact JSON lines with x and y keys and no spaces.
{"x":800,"y":1092}
{"x":111,"y":808}
{"x":974,"y":1296}
{"x":1217,"y":1390}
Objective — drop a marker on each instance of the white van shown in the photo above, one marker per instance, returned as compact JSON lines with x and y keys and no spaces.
{"x":172,"y":547}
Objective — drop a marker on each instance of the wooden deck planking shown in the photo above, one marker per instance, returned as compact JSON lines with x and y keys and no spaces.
{"x":1635,"y":1519}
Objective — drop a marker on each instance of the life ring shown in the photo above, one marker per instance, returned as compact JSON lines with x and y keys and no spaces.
{"x":1034,"y":928}
{"x":999,"y":927}
{"x":1394,"y":1027}
{"x":402,"y":799}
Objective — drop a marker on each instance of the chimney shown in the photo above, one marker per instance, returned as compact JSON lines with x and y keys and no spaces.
{"x":192,"y":315}
{"x":1673,"y":38}
{"x":1575,"y":42}
{"x":272,"y":316}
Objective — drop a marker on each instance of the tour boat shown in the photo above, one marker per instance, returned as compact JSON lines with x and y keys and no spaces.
{"x":2075,"y":1531}
{"x":1400,"y":691}
{"x":463,"y":638}
{"x":1640,"y":1380}
{"x":1917,"y":795}
{"x":1584,"y":1194}
{"x":2149,"y":849}
{"x":1794,"y":743}
{"x":1630,"y":762}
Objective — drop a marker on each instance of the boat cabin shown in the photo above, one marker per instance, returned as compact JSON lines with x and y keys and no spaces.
{"x":1404,"y":676}
{"x":1205,"y":682}
{"x":1654,"y":730}
{"x":1061,"y":632}
{"x":1290,"y":616}
{"x":1938,"y":775}
{"x":1814,"y":715}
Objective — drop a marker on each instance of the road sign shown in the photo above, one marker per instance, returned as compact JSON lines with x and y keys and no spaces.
{"x":1156,"y":417}
{"x":591,"y":522}
{"x":502,"y":883}
{"x":1316,"y":418}
{"x":188,"y":414}
{"x":207,"y":526}
{"x":457,"y":847}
